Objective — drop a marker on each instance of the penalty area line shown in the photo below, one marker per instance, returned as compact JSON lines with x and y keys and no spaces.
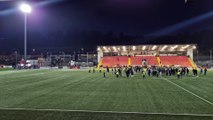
{"x":112,"y":112}
{"x":201,"y":98}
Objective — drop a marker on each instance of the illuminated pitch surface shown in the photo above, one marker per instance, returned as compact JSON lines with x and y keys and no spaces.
{"x":58,"y":91}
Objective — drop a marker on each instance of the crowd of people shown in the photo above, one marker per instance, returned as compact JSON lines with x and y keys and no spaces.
{"x":128,"y":71}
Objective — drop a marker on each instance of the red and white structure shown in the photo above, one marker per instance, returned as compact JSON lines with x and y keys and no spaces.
{"x":180,"y":55}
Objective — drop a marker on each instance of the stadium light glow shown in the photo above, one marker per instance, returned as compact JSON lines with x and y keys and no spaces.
{"x":186,"y":46}
{"x":154,"y":47}
{"x":133,"y":48}
{"x":164,"y":47}
{"x":194,"y":47}
{"x":144,"y":47}
{"x":99,"y":49}
{"x":25,"y":8}
{"x":124,"y":48}
{"x":105,"y":49}
{"x":181,"y":25}
{"x":114,"y":48}
{"x":174,"y":47}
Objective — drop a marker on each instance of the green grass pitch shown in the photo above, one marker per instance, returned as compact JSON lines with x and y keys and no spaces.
{"x":79,"y":95}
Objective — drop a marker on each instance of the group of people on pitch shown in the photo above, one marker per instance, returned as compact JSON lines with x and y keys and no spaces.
{"x":119,"y":71}
{"x":150,"y":71}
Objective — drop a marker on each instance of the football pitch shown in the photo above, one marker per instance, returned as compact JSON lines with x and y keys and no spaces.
{"x":79,"y":95}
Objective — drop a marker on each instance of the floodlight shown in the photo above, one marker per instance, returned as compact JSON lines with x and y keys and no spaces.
{"x":153,"y":48}
{"x":25,"y":8}
{"x":114,"y":48}
{"x":133,"y":48}
{"x":175,"y":47}
{"x":164,"y":47}
{"x":144,"y":47}
{"x":124,"y":48}
{"x":186,"y":46}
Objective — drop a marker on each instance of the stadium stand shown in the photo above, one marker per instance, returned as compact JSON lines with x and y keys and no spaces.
{"x":175,"y":60}
{"x":154,"y":55}
{"x":114,"y":61}
{"x":137,"y":60}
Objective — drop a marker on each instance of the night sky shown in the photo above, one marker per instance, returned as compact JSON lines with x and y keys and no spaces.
{"x":84,"y":23}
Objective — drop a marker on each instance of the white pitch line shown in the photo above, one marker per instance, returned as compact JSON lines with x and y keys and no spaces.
{"x":113,"y":112}
{"x":205,"y":100}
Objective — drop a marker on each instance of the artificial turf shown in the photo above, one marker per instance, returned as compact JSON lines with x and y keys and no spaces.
{"x":6,"y":69}
{"x":80,"y":90}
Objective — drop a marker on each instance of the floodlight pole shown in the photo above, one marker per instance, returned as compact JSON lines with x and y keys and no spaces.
{"x":25,"y":8}
{"x":25,"y":36}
